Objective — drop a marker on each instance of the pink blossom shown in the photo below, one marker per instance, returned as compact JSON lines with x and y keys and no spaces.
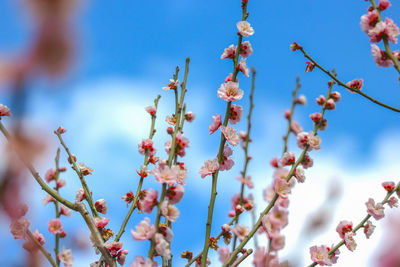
{"x":4,"y":111}
{"x":236,"y":114}
{"x":244,"y":28}
{"x":336,"y":96}
{"x":320,"y":100}
{"x":279,"y":217}
{"x":146,"y":145}
{"x":65,"y":211}
{"x":369,"y":229}
{"x":316,"y":117}
{"x":393,"y":202}
{"x":295,"y":127}
{"x":226,"y":162}
{"x":164,"y":174}
{"x":389,"y":186}
{"x":166,"y":232}
{"x":380,"y":57}
{"x":173,"y":84}
{"x":229,"y":78}
{"x":387,"y":28}
{"x":383,"y":4}
{"x":241,"y":231}
{"x":349,"y":241}
{"x":215,"y":124}
{"x":31,"y":246}
{"x":270,"y":226}
{"x":121,"y":256}
{"x":369,"y":20}
{"x":277,"y":242}
{"x":113,"y":247}
{"x":281,"y":187}
{"x":85,"y":170}
{"x":65,"y":256}
{"x":143,"y":230}
{"x":101,"y":222}
{"x":182,"y":173}
{"x":139,"y":261}
{"x":310,"y":66}
{"x":151,"y":110}
{"x":55,"y":226}
{"x":376,"y":211}
{"x":47,"y":199}
{"x":175,"y":193}
{"x":330,"y":104}
{"x":344,"y":227}
{"x":101,"y":206}
{"x":229,"y":52}
{"x":60,"y":183}
{"x":61,"y":130}
{"x":246,"y":49}
{"x":226,"y":228}
{"x":299,"y":174}
{"x":246,"y":181}
{"x":171,"y":120}
{"x":80,"y":195}
{"x":301,"y":100}
{"x":170,"y":212}
{"x":280,"y":173}
{"x":210,"y":166}
{"x":295,"y":46}
{"x":242,"y":66}
{"x":230,"y":91}
{"x":288,"y":158}
{"x":50,"y":175}
{"x":287,"y":114}
{"x":21,"y":210}
{"x":149,"y":201}
{"x":190,"y":116}
{"x":307,"y":161}
{"x":313,"y":140}
{"x":19,"y":227}
{"x":320,"y":255}
{"x":162,"y":246}
{"x":224,"y":254}
{"x":230,"y":135}
{"x":302,"y":140}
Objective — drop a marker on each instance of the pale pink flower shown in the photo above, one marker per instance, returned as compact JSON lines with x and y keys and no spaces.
{"x":55,"y":226}
{"x":336,"y":96}
{"x":50,"y":175}
{"x":226,"y":162}
{"x":61,"y":130}
{"x":80,"y":195}
{"x":302,"y":140}
{"x":299,"y":174}
{"x":198,"y":262}
{"x":295,"y":127}
{"x":268,"y":193}
{"x":242,"y":66}
{"x":279,"y":217}
{"x":151,"y":110}
{"x":369,"y":229}
{"x":149,"y":201}
{"x":164,"y":174}
{"x":307,"y":161}
{"x":369,"y":20}
{"x":355,"y":84}
{"x":113,"y":247}
{"x":144,"y":230}
{"x":236,"y":114}
{"x":215,"y":124}
{"x":349,"y":241}
{"x":277,"y":242}
{"x":313,"y":140}
{"x":166,"y":232}
{"x":226,"y":228}
{"x":229,"y":78}
{"x":380,"y":57}
{"x":224,"y":254}
{"x":121,"y":256}
{"x":383,"y":4}
{"x":246,"y":49}
{"x":146,"y":145}
{"x":275,"y":162}
{"x":101,"y":222}
{"x":320,"y":255}
{"x":101,"y":206}
{"x":181,"y":143}
{"x":230,"y":91}
{"x":376,"y":211}
{"x":280,"y":173}
{"x":387,"y":28}
{"x":139,"y":261}
{"x":241,"y":231}
{"x":330,"y":104}
{"x":316,"y":117}
{"x":60,"y":183}
{"x":171,"y":120}
{"x":301,"y":100}
{"x":230,"y":135}
{"x":210,"y":166}
{"x":244,"y":28}
{"x":65,"y":211}
{"x":47,"y":199}
{"x":170,"y":212}
{"x":175,"y":193}
{"x":320,"y":100}
{"x":4,"y":111}
{"x":288,"y":158}
{"x":344,"y":227}
{"x":246,"y":181}
{"x":173,"y":84}
{"x":65,"y":256}
{"x":85,"y":170}
{"x":162,"y":246}
{"x":271,"y":227}
{"x":190,"y":116}
{"x":181,"y":170}
{"x":30,"y":245}
{"x":393,"y":202}
{"x":19,"y":227}
{"x":281,"y":187}
{"x":229,"y":52}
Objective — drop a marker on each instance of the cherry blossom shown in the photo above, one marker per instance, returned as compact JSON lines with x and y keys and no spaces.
{"x":389,"y":186}
{"x":165,"y":174}
{"x":162,"y":246}
{"x":349,"y":241}
{"x":149,"y":201}
{"x":101,"y":222}
{"x":146,"y":145}
{"x":393,"y":202}
{"x":376,"y":211}
{"x":369,"y":20}
{"x":356,"y":84}
{"x":230,"y":135}
{"x":246,"y":50}
{"x":320,"y":255}
{"x":170,"y":212}
{"x":175,"y":193}
{"x":314,"y":141}
{"x":47,"y":199}
{"x":241,"y":231}
{"x":121,"y":256}
{"x":299,"y":174}
{"x":244,"y":28}
{"x":229,"y":52}
{"x":173,"y":84}
{"x":288,"y":158}
{"x":101,"y":206}
{"x":143,"y":230}
{"x":230,"y":91}
{"x":380,"y":57}
{"x":242,"y":66}
{"x":383,"y":4}
{"x":151,"y":110}
{"x":50,"y":175}
{"x":369,"y":229}
{"x":113,"y":247}
{"x":281,"y":187}
{"x":215,"y":124}
{"x":277,"y":242}
{"x":65,"y":211}
{"x":190,"y":116}
{"x":4,"y":111}
{"x":236,"y":114}
{"x":55,"y":226}
{"x":224,"y":254}
{"x":226,"y":162}
{"x":80,"y":195}
{"x":85,"y":170}
{"x":65,"y":256}
{"x":344,"y":227}
{"x":19,"y":227}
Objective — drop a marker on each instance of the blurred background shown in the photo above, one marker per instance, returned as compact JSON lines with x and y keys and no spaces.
{"x":93,"y":66}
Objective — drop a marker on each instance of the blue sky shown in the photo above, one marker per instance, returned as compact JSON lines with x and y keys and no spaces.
{"x":127,"y":51}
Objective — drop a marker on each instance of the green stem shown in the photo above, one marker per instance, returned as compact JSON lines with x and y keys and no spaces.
{"x":45,"y":253}
{"x":57,"y":236}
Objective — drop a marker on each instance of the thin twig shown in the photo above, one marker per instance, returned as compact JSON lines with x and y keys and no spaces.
{"x":242,"y":258}
{"x":45,"y":253}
